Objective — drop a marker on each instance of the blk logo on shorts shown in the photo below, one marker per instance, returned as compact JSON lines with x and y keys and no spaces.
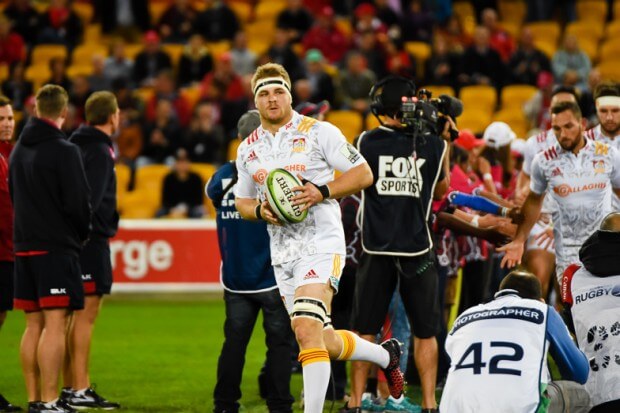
{"x":87,"y":277}
{"x":58,"y":291}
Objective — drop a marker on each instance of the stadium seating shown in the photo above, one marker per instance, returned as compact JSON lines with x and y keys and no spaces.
{"x":512,"y":11}
{"x":612,"y":29}
{"x":206,"y":171}
{"x":4,"y":72}
{"x":145,"y":199}
{"x":610,"y":70}
{"x":594,"y":11}
{"x":232,"y":149}
{"x":43,"y":53}
{"x":174,"y":51}
{"x":83,"y":54}
{"x":421,"y":51}
{"x":480,"y":97}
{"x":474,"y":119}
{"x":123,"y":176}
{"x":514,"y":96}
{"x":79,"y":70}
{"x":516,"y":119}
{"x":349,"y":122}
{"x":37,"y":74}
{"x":549,"y":31}
{"x":610,"y":50}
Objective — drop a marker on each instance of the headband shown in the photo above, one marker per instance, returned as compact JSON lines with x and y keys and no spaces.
{"x":608,"y":101}
{"x":271,"y":81}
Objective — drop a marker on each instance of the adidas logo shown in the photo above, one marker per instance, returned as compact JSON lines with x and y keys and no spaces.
{"x":310,"y":274}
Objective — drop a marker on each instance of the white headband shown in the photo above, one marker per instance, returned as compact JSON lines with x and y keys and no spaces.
{"x":270,"y":82}
{"x":608,"y":101}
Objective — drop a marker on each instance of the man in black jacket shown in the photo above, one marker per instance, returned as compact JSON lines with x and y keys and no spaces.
{"x":50,"y":196}
{"x":102,"y":115}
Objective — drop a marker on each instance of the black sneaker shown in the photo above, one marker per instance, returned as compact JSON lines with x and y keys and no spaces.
{"x":65,"y":394}
{"x":64,"y":404}
{"x":6,"y":407}
{"x":91,"y":400}
{"x":347,"y":409}
{"x":40,"y":407}
{"x":393,"y":375}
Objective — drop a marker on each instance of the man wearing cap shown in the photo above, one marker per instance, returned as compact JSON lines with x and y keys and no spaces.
{"x":249,"y":287}
{"x":150,"y":61}
{"x":497,"y":137}
{"x":468,"y":141}
{"x":307,"y":257}
{"x":607,"y":99}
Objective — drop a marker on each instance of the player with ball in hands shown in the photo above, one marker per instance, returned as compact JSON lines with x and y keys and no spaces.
{"x":308,"y":256}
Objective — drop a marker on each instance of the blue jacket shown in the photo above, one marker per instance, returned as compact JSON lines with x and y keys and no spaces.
{"x":244,"y":245}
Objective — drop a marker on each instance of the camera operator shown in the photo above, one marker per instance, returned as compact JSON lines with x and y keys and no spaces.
{"x":409,"y":157}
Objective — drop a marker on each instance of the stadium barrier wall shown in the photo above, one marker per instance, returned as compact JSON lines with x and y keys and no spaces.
{"x":166,"y":255}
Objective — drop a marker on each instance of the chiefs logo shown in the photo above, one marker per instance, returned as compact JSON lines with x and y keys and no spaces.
{"x":562,"y":190}
{"x":260,"y":176}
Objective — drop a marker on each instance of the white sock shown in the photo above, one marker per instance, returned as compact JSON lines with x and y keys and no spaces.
{"x":50,"y":404}
{"x":356,"y":348}
{"x":316,"y":380}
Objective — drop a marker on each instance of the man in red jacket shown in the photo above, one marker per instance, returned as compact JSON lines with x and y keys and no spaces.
{"x":7,"y":126}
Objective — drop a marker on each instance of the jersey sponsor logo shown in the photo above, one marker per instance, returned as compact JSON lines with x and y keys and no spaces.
{"x":299,"y":145}
{"x":531,"y":315}
{"x":306,"y":124}
{"x":350,"y":152}
{"x":596,"y":292}
{"x":296,"y":167}
{"x":310,"y":275}
{"x":58,"y":291}
{"x":551,"y":153}
{"x":260,"y":176}
{"x":399,"y":177}
{"x":600,"y":148}
{"x":565,"y":190}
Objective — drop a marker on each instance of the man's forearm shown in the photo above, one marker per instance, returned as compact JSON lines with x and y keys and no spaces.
{"x":247,"y":208}
{"x":350,"y":182}
{"x":531,"y":211}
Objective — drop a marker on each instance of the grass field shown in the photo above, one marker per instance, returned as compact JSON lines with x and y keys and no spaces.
{"x":155,"y":353}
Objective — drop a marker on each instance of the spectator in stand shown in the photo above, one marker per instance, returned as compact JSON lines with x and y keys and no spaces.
{"x":196,"y":61}
{"x":325,"y":36}
{"x":12,"y":48}
{"x":79,"y":93}
{"x":162,"y":136}
{"x":150,"y":61}
{"x":418,"y":23}
{"x":398,"y":61}
{"x":537,"y":108}
{"x":117,"y":65}
{"x":442,"y":65}
{"x":217,"y":22}
{"x":302,"y":92}
{"x":182,"y":190}
{"x":282,"y":53}
{"x":25,"y":19}
{"x":500,"y":40}
{"x":177,"y":22}
{"x":130,"y":134}
{"x":458,"y":40}
{"x":223,"y":81}
{"x":58,"y":70}
{"x":295,"y":20}
{"x":321,"y":83}
{"x":498,"y":137}
{"x":165,"y":89}
{"x":365,"y":19}
{"x":128,"y":18}
{"x":480,"y":64}
{"x":98,"y":80}
{"x":477,"y":163}
{"x":205,"y":141}
{"x":60,"y":25}
{"x":387,"y":15}
{"x":587,"y":101}
{"x":369,"y":47}
{"x":543,"y":10}
{"x":16,"y":87}
{"x":355,"y":83}
{"x":243,"y":59}
{"x":528,"y":62}
{"x":570,"y":64}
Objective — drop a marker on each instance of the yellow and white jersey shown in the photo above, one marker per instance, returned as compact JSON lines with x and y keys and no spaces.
{"x":596,"y":134}
{"x":312,"y":149}
{"x":580,"y":185}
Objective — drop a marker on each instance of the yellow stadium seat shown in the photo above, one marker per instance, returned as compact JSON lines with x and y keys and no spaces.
{"x":474,"y":119}
{"x":514,"y":96}
{"x":463,"y":10}
{"x":616,"y":10}
{"x":192,"y":95}
{"x":149,"y":179}
{"x":83,"y":54}
{"x":268,"y":10}
{"x":610,"y":70}
{"x":79,"y":70}
{"x":548,"y":31}
{"x":37,"y":74}
{"x":589,"y":47}
{"x":43,"y":53}
{"x":217,"y":48}
{"x":612,"y":30}
{"x":157,"y":9}
{"x":4,"y":72}
{"x":92,"y":34}
{"x":84,"y":12}
{"x":440,"y":90}
{"x":132,"y":50}
{"x":242,"y":10}
{"x":421,"y":52}
{"x":371,"y":122}
{"x":585,"y":29}
{"x":144,"y":93}
{"x":547,"y":47}
{"x":206,"y":171}
{"x":138,"y":204}
{"x":512,"y":11}
{"x":260,"y":45}
{"x":344,"y":24}
{"x":123,"y":175}
{"x":592,"y":10}
{"x":479,"y":96}
{"x":514,"y":29}
{"x":232,"y":149}
{"x":348,"y":121}
{"x":610,"y":50}
{"x":515,"y":118}
{"x":174,"y":51}
{"x":261,"y":28}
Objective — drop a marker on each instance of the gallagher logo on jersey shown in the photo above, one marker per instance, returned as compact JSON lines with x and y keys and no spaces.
{"x":398,"y":177}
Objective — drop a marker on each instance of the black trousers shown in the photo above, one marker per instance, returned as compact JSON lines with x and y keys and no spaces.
{"x":241,"y":313}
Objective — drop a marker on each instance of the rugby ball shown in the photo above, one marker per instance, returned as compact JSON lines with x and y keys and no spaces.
{"x":279,"y":195}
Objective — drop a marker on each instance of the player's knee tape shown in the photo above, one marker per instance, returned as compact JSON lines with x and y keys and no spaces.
{"x":309,"y":307}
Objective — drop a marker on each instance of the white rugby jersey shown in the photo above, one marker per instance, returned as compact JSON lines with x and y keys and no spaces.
{"x":596,"y":314}
{"x":312,"y":149}
{"x":580,"y":186}
{"x":596,"y":134}
{"x":533,"y":146}
{"x":498,"y":357}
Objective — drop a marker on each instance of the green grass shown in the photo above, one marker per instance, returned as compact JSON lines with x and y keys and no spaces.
{"x":155,"y":353}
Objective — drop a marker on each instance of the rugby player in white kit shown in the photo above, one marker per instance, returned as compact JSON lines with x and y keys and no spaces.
{"x":578,"y":173}
{"x":307,"y":257}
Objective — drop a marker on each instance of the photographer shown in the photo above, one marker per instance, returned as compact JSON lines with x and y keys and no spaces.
{"x":410,"y":165}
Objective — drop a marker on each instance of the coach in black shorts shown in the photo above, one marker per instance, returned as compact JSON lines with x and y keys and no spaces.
{"x":50,"y":197}
{"x":396,"y":239}
{"x":102,"y":117}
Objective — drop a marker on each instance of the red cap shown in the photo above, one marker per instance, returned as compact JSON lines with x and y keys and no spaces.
{"x":467,"y":140}
{"x":326,"y":11}
{"x":544,"y":79}
{"x":151,"y":37}
{"x":364,"y":9}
